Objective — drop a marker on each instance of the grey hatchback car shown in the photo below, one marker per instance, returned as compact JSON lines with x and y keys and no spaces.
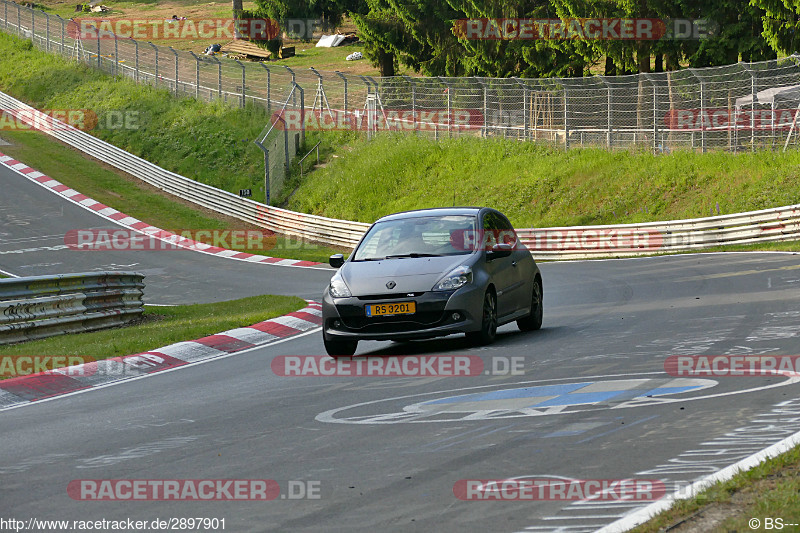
{"x":430,"y":273}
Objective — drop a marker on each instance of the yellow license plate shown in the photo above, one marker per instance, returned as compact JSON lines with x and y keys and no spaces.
{"x":399,"y":308}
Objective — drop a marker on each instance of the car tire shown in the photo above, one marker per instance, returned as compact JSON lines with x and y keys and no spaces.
{"x":340,"y":348}
{"x":488,"y":331}
{"x":533,"y":321}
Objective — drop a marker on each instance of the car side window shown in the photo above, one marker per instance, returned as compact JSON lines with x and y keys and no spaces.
{"x":497,"y":229}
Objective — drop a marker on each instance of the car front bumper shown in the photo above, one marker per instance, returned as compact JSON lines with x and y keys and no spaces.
{"x":345,"y":318}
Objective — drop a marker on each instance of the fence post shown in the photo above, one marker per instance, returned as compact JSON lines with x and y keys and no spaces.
{"x":47,"y":32}
{"x":19,"y":20}
{"x":525,"y":118}
{"x":655,"y":116}
{"x":136,"y":60}
{"x":294,"y":98}
{"x":484,"y":129}
{"x":196,"y":75}
{"x":116,"y":55}
{"x":219,"y":77}
{"x":566,"y":118}
{"x":244,"y":94}
{"x":63,"y":31}
{"x":33,"y":26}
{"x":269,"y":103}
{"x":5,"y":16}
{"x":702,"y":116}
{"x":344,"y":79}
{"x":155,"y":49}
{"x":97,"y":37}
{"x":449,"y":104}
{"x":302,"y":115}
{"x":175,"y":53}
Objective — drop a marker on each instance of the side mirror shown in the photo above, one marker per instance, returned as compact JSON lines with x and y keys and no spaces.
{"x":336,"y":260}
{"x":499,"y":251}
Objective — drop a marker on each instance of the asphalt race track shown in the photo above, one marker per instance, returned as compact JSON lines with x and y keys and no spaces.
{"x":33,"y":222}
{"x":590,"y":399}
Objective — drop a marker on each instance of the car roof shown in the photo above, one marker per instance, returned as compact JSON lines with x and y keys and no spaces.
{"x":435,"y":211}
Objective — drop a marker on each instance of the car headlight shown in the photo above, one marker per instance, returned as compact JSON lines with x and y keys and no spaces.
{"x":457,"y":278}
{"x":338,"y":288}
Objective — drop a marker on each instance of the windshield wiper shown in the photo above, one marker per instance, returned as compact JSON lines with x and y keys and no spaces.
{"x":412,"y":254}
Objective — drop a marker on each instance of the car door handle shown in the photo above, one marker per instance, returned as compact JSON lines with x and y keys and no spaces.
{"x":513,"y":263}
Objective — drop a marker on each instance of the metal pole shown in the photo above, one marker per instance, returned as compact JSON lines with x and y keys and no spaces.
{"x":302,"y":115}
{"x":116,"y":55}
{"x":449,"y":104}
{"x":176,"y":68}
{"x":155,"y":48}
{"x":136,"y":65}
{"x":655,"y":116}
{"x":196,"y":76}
{"x":19,"y":20}
{"x":566,"y":125}
{"x":244,"y":94}
{"x":219,"y":77}
{"x":294,"y":99}
{"x":269,"y":104}
{"x":344,"y":79}
{"x":47,"y":32}
{"x":63,"y":30}
{"x":702,"y":116}
{"x":525,"y":118}
{"x":97,"y":36}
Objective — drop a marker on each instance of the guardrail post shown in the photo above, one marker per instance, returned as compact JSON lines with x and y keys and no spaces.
{"x":244,"y":94}
{"x":196,"y":76}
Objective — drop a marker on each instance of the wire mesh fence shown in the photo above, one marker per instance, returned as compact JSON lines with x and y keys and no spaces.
{"x":744,"y":106}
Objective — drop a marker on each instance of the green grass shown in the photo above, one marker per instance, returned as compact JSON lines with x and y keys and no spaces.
{"x":129,"y":195}
{"x":169,"y":325}
{"x":768,"y":490}
{"x":539,"y":187}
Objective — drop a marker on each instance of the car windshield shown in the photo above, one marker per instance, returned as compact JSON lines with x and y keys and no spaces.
{"x":425,"y":236}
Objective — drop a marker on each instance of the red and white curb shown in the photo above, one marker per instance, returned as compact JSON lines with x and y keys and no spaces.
{"x":23,"y":390}
{"x":130,"y":222}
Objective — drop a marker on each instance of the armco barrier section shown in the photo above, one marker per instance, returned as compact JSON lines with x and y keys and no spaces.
{"x":43,"y":306}
{"x":315,"y":228}
{"x":768,"y":225}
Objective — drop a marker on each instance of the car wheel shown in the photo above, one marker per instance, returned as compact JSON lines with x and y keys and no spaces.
{"x":340,"y":348}
{"x":488,"y":329}
{"x":534,"y":320}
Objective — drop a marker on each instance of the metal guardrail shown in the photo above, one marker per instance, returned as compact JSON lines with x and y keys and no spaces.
{"x":311,"y":227}
{"x":44,"y":306}
{"x":768,"y":225}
